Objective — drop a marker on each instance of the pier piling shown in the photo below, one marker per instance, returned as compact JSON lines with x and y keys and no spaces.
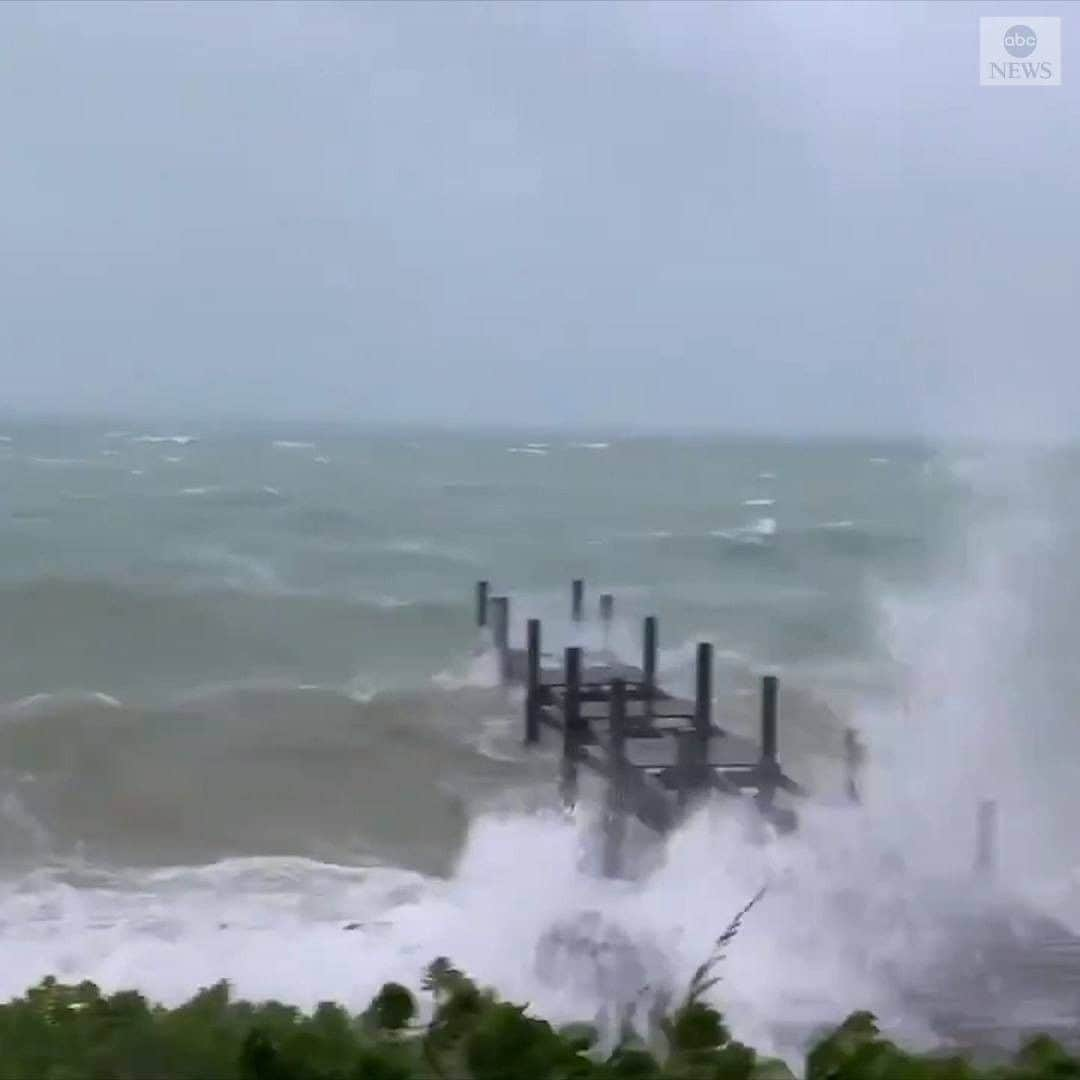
{"x":768,"y":766}
{"x":615,"y":820}
{"x":532,"y":689}
{"x":482,"y":588}
{"x":571,"y":727}
{"x":607,"y":612}
{"x":648,"y":657}
{"x":687,"y":778}
{"x":577,"y":599}
{"x":852,"y":761}
{"x":500,"y":632}
{"x":698,"y":744}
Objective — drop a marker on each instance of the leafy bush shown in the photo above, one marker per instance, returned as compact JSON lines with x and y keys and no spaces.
{"x":58,"y":1032}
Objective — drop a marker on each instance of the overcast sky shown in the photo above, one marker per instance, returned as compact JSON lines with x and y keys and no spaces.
{"x":798,"y":217}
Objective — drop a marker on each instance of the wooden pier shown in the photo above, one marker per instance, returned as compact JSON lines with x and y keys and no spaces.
{"x":658,"y":752}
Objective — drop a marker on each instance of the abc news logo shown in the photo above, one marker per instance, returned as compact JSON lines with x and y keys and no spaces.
{"x":1015,"y":53}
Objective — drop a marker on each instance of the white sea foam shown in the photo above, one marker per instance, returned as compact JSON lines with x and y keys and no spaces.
{"x":758,"y":502}
{"x":481,"y":671}
{"x":288,"y":444}
{"x":590,"y":445}
{"x":808,"y":953}
{"x":526,"y":450}
{"x":321,"y":460}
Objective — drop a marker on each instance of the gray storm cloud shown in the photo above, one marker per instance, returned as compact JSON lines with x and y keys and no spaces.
{"x":787,"y":217}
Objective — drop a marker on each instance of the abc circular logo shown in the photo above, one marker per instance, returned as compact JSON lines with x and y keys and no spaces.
{"x":1020,"y":41}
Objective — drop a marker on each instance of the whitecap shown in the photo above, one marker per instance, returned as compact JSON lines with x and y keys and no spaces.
{"x":36,"y":704}
{"x":288,"y":444}
{"x":590,"y":445}
{"x":879,"y":460}
{"x":179,"y":440}
{"x":752,"y":533}
{"x":758,"y":502}
{"x":525,"y":450}
{"x":320,"y":460}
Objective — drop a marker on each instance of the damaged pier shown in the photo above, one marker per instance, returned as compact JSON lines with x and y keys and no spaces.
{"x":658,"y":752}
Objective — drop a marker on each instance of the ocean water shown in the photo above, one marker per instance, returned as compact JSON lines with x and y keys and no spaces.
{"x":248,"y":729}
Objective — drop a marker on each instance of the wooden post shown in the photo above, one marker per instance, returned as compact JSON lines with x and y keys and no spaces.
{"x":698,"y":747}
{"x":568,"y":785}
{"x":607,"y":610}
{"x":482,"y":588}
{"x":618,"y":768}
{"x":532,"y":691}
{"x":768,"y":767}
{"x":577,"y":599}
{"x":986,"y":839}
{"x":500,"y":632}
{"x":648,"y":658}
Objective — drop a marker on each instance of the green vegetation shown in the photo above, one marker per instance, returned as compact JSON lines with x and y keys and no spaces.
{"x":57,"y":1032}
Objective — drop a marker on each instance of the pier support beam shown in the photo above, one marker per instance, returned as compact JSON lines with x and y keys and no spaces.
{"x":617,"y":798}
{"x":568,"y":776}
{"x":986,"y":839}
{"x":500,"y":633}
{"x":769,"y":765}
{"x":532,"y":689}
{"x":482,"y":588}
{"x":577,"y":599}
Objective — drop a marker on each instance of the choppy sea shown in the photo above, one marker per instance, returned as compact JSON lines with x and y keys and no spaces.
{"x":249,"y":730}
